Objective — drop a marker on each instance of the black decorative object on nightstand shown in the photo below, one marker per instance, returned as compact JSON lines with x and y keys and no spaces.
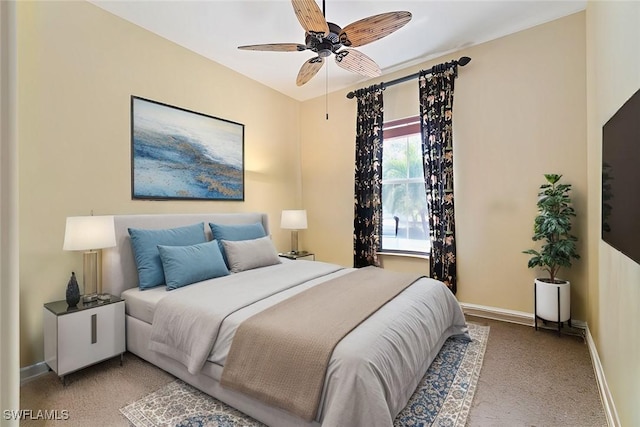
{"x":73,"y":291}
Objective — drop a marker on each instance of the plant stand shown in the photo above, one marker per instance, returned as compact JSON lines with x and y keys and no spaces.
{"x":552,"y":303}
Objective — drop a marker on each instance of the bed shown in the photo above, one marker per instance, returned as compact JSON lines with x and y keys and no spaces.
{"x":372,"y":371}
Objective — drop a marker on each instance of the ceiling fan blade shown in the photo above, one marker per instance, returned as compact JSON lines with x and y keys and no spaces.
{"x":373,"y":28}
{"x":310,"y":17}
{"x":357,"y":62}
{"x":275,"y":47}
{"x":309,"y":69}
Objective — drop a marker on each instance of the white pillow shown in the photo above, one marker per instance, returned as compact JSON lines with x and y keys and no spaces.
{"x":248,"y":254}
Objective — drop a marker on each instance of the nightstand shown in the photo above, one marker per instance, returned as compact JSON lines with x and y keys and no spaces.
{"x":76,"y":337}
{"x":299,"y":255}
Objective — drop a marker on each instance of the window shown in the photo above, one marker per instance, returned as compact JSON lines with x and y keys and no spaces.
{"x":405,"y":222}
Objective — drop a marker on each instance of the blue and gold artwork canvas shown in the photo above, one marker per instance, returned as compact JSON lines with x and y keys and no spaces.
{"x":181,"y":154}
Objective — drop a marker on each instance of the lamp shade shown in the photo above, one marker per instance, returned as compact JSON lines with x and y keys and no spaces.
{"x":294,"y":219}
{"x":89,"y":232}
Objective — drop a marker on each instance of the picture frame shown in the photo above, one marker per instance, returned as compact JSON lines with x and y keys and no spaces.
{"x":179,"y":154}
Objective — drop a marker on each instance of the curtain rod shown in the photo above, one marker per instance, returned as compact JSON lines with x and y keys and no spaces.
{"x":462,"y":62}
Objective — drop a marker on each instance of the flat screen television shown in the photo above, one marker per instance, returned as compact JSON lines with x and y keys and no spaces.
{"x":621,"y":179}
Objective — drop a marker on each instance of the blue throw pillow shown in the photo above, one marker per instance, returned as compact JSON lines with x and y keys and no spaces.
{"x":145,"y":249}
{"x":236,"y":232}
{"x":184,"y":265}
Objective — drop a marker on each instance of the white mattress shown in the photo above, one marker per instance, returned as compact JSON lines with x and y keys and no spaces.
{"x":142,"y":304}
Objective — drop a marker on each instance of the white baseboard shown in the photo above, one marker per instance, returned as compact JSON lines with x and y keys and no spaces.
{"x":505,"y":315}
{"x":605,"y":394}
{"x":495,"y":313}
{"x":29,"y":373}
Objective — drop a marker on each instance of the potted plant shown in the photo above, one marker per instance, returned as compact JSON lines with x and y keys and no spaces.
{"x":552,"y":226}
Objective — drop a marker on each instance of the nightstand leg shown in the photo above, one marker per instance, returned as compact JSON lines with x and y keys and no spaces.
{"x":64,"y":380}
{"x":121,"y":357}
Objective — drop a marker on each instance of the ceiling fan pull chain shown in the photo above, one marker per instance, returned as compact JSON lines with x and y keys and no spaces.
{"x":326,"y":92}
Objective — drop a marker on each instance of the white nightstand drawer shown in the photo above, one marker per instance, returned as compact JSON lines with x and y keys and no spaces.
{"x":74,"y":340}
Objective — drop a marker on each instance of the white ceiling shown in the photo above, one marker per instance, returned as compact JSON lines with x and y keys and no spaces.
{"x":215,"y":28}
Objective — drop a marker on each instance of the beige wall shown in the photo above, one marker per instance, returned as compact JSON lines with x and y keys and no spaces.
{"x":78,"y":66}
{"x":519,"y":113}
{"x":613,"y":34}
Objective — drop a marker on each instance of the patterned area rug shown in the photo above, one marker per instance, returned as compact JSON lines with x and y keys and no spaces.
{"x":443,"y":397}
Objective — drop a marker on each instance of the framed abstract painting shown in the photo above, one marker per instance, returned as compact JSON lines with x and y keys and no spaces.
{"x":182,"y":154}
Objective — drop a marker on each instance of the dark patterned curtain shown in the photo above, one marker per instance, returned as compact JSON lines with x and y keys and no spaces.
{"x":436,"y":110}
{"x":368,"y":176}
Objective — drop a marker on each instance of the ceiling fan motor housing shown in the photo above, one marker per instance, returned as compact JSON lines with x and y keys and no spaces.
{"x":325,"y":45}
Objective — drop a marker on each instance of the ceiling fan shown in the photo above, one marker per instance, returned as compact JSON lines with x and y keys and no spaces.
{"x":325,"y":38}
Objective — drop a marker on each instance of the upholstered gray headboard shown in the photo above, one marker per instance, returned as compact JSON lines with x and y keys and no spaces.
{"x":119,"y":271}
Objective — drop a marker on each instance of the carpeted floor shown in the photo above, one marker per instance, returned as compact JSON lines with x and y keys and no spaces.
{"x":528,"y":379}
{"x":534,"y":378}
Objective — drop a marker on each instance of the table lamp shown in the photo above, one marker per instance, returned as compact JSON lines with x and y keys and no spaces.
{"x":89,"y":234}
{"x":294,"y":220}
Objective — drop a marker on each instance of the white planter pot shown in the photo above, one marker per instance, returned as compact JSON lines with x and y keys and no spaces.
{"x":547,"y":301}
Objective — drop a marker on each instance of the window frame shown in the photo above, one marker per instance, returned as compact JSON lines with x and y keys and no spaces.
{"x":395,"y":129}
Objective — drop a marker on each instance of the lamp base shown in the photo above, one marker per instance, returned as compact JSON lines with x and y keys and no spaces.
{"x":294,"y":242}
{"x":90,"y":276}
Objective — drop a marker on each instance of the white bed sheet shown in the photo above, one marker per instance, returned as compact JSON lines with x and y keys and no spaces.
{"x":141,"y":304}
